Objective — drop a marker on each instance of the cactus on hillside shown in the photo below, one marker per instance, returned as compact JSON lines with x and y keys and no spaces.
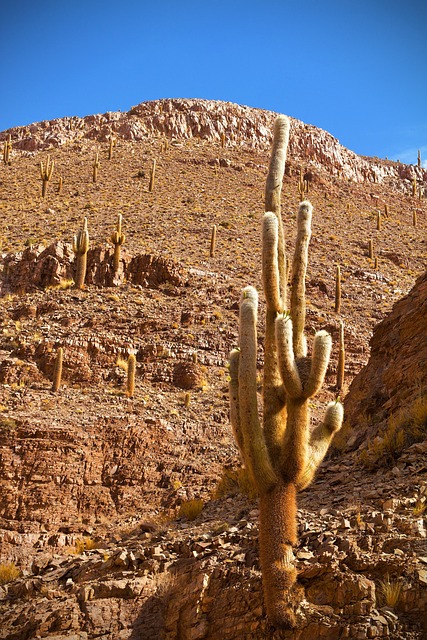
{"x":80,"y":248}
{"x":57,"y":370}
{"x":282,"y":455}
{"x":112,"y":144}
{"x":152,"y":176}
{"x":7,"y":149}
{"x":213,"y":241}
{"x":46,"y":173}
{"x":130,"y":383}
{"x":117,"y":239}
{"x":95,"y":167}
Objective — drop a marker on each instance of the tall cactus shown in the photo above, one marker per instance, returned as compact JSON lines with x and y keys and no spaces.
{"x":80,"y":248}
{"x":283,"y":454}
{"x":117,"y":239}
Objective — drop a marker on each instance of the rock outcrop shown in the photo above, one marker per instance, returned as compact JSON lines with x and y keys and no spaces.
{"x":213,"y":121}
{"x":394,"y":382}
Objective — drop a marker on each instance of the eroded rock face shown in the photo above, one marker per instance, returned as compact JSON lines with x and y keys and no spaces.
{"x":38,"y":267}
{"x":210,"y":120}
{"x":395,"y":378}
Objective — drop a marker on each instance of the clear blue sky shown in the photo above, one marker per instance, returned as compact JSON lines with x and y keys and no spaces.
{"x":357,"y":68}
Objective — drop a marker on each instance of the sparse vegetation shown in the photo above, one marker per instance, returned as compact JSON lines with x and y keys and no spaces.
{"x":390,"y":591}
{"x":8,"y":572}
{"x":191,"y":509}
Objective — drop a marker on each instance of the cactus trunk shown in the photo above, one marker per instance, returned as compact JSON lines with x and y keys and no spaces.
{"x":81,"y":267}
{"x":116,"y":257}
{"x":277,"y":537}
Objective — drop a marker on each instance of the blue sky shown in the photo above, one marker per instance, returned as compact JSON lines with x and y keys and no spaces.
{"x":356,"y":68}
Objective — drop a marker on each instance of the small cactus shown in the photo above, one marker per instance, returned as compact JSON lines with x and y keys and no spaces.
{"x":117,"y":239}
{"x":95,"y":167}
{"x":302,"y":186}
{"x":213,"y":241}
{"x":371,"y":249}
{"x":7,"y":149}
{"x":112,"y":144}
{"x":419,"y":159}
{"x":46,"y":173}
{"x":130,"y":383}
{"x":152,"y":176}
{"x":60,"y":182}
{"x":338,"y":289}
{"x":80,"y":248}
{"x":414,"y":218}
{"x":341,"y":359}
{"x":379,"y":220}
{"x":57,"y":370}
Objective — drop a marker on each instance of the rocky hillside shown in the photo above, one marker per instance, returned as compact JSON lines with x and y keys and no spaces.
{"x":98,"y":489}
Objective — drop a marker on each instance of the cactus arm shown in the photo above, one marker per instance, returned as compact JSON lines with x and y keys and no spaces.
{"x":270,"y":262}
{"x":319,"y":363}
{"x":288,"y":367}
{"x":299,"y":269}
{"x":275,"y":287}
{"x":256,"y":454}
{"x":319,"y":442}
{"x":273,"y":190}
{"x":234,"y":402}
{"x":295,"y":443}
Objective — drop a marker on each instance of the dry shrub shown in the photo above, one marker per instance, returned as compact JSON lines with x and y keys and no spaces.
{"x":8,"y":572}
{"x":390,"y":591}
{"x":84,"y":544}
{"x":191,"y":509}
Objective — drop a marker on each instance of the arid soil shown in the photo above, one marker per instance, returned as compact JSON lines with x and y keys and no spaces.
{"x":89,"y":463}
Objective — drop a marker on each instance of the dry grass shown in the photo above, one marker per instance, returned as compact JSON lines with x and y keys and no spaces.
{"x":8,"y":572}
{"x":83,"y":544}
{"x":191,"y":509}
{"x":390,"y":591}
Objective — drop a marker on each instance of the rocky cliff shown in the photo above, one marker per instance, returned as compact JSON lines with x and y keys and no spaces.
{"x":213,"y":121}
{"x":392,"y":389}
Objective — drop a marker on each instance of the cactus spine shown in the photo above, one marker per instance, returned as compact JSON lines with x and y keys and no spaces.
{"x":7,"y":149}
{"x":46,"y":173}
{"x":117,"y":239}
{"x":130,"y":384}
{"x":80,"y":248}
{"x":57,"y":370}
{"x":281,"y":456}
